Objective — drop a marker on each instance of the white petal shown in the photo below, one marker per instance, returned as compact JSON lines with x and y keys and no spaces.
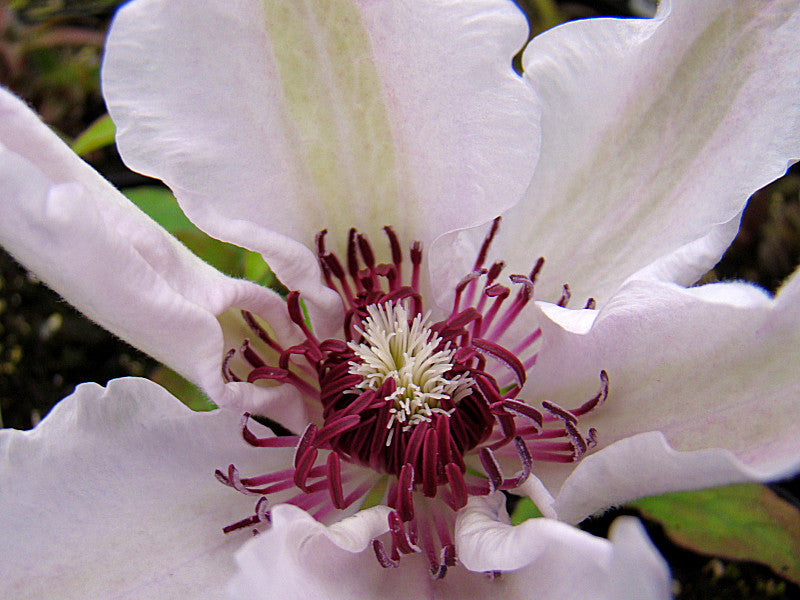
{"x":271,"y":121}
{"x":654,"y":134}
{"x":68,"y":225}
{"x":299,"y":558}
{"x":543,"y":558}
{"x":639,"y":570}
{"x":713,"y":367}
{"x":113,"y":495}
{"x":691,"y":261}
{"x":643,"y":465}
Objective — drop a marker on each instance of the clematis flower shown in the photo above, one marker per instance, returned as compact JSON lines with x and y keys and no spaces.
{"x":112,"y":495}
{"x":418,"y":372}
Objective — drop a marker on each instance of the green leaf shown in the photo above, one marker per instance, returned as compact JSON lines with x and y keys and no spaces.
{"x":546,"y":15}
{"x":161,"y":206}
{"x":98,"y":135}
{"x":739,"y":522}
{"x":376,"y":494}
{"x":186,"y":392}
{"x":222,"y":256}
{"x":524,"y":510}
{"x":255,"y":269}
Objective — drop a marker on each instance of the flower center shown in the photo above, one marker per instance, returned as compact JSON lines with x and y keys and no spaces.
{"x":417,"y":412}
{"x":406,"y":350}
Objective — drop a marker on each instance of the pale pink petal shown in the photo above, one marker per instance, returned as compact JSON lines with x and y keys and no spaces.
{"x":300,"y":558}
{"x":643,"y":465}
{"x":688,"y":263}
{"x":711,"y":368}
{"x":68,"y":225}
{"x":639,"y":570}
{"x":654,"y":135}
{"x":544,"y":558}
{"x":113,"y":495}
{"x":271,"y":121}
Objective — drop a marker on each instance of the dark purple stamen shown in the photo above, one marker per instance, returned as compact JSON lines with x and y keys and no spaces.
{"x":367,"y":429}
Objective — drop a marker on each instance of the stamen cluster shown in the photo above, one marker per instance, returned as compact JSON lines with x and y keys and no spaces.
{"x":404,"y":349}
{"x":429,"y":408}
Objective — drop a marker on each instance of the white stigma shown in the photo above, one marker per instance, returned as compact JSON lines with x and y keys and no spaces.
{"x":407,"y":353}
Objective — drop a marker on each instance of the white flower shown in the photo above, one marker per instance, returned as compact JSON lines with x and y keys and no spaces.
{"x":272,"y":122}
{"x":113,"y":496}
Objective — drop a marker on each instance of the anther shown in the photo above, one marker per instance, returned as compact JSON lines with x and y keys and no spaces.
{"x":267,"y":372}
{"x":269,"y":442}
{"x":383,"y":558}
{"x":457,"y":486}
{"x":296,"y":315}
{"x":487,"y":242}
{"x":303,"y":466}
{"x":336,"y":428}
{"x":246,"y":522}
{"x":494,"y":271}
{"x":461,"y":286}
{"x":405,"y":489}
{"x":335,"y":480}
{"x":250,"y":355}
{"x":260,"y":332}
{"x":304,"y":443}
{"x":449,"y":555}
{"x":400,"y":536}
{"x":333,"y":264}
{"x":504,"y":356}
{"x":366,"y":251}
{"x":499,"y":293}
{"x":591,"y":437}
{"x":429,"y":463}
{"x":416,"y":261}
{"x":537,"y":268}
{"x":320,"y":242}
{"x":443,"y":435}
{"x":227,"y":374}
{"x":565,"y":296}
{"x":234,"y":480}
{"x":352,"y":258}
{"x":595,"y":400}
{"x":525,"y":459}
{"x":559,"y":412}
{"x":491,"y":467}
{"x":577,"y":439}
{"x":524,"y":409}
{"x":526,"y":291}
{"x":394,"y":245}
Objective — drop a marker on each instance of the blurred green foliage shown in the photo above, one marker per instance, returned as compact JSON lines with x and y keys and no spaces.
{"x":740,"y":522}
{"x":99,"y":134}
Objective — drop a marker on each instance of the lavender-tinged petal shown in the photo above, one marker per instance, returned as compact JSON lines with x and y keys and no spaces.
{"x":544,"y":558}
{"x":708,"y":368}
{"x":68,"y":225}
{"x":113,"y":495}
{"x":654,"y":134}
{"x":644,"y":465}
{"x":320,"y":115}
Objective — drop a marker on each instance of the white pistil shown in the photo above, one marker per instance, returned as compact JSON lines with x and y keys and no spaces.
{"x":406,"y":352}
